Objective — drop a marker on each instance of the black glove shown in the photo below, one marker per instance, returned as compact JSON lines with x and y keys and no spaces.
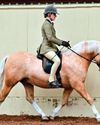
{"x":66,"y":44}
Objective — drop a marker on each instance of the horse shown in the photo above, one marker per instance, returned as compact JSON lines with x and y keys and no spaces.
{"x":26,"y":68}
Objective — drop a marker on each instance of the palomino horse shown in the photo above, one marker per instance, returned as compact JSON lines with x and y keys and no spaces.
{"x":24,"y":67}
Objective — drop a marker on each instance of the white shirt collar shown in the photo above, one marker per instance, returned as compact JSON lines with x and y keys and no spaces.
{"x":49,"y":20}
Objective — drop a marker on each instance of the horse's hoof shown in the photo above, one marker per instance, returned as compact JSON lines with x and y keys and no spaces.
{"x":51,"y":117}
{"x":98,"y":118}
{"x":45,"y":118}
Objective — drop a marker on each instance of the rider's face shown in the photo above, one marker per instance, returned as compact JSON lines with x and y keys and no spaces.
{"x":52,"y":16}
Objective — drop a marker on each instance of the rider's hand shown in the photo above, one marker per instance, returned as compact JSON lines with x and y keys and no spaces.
{"x":66,"y":44}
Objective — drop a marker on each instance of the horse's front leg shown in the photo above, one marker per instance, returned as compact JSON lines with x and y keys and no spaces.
{"x":65,"y":98}
{"x":80,"y":88}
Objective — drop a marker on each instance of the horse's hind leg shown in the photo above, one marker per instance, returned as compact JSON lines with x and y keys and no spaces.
{"x":5,"y":90}
{"x":80,"y":88}
{"x":65,"y":98}
{"x":30,"y":97}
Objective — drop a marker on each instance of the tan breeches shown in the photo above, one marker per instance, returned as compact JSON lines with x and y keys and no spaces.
{"x":52,"y":56}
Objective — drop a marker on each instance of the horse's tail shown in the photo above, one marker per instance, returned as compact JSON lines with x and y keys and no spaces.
{"x":2,"y":64}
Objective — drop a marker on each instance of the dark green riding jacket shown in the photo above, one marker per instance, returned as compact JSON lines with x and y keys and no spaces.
{"x":49,"y":38}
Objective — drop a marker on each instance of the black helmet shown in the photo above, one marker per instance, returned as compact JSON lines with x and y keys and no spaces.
{"x":50,"y":9}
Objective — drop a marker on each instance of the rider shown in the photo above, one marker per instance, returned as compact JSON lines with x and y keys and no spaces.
{"x":48,"y":46}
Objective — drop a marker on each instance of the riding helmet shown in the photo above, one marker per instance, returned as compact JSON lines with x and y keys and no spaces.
{"x":50,"y":9}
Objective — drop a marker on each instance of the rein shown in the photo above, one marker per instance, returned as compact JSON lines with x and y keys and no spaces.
{"x":93,"y":61}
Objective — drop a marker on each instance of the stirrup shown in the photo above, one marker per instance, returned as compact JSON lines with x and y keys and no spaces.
{"x":54,"y":84}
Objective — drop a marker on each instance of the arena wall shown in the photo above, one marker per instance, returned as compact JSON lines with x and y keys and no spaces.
{"x":20,"y":30}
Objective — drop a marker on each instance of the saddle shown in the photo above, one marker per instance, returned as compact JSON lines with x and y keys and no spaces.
{"x":47,"y":64}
